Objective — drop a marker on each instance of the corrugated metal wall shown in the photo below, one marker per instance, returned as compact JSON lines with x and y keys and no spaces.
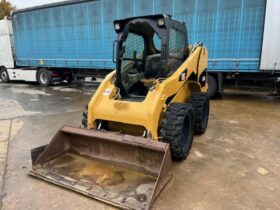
{"x":81,"y":35}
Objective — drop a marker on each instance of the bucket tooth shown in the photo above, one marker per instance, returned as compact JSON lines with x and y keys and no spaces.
{"x":121,"y":170}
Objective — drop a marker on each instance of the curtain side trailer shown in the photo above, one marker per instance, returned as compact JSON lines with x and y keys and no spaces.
{"x":10,"y":71}
{"x":242,"y":37}
{"x":257,"y":47}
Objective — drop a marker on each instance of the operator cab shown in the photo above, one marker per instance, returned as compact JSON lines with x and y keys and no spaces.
{"x":148,"y":48}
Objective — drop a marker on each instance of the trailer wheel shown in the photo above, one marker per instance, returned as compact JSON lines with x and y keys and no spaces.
{"x":177,"y":129}
{"x":200,"y":103}
{"x":278,"y":88}
{"x":69,"y":79}
{"x":85,"y":117}
{"x":212,"y":86}
{"x":44,"y":77}
{"x":4,"y":75}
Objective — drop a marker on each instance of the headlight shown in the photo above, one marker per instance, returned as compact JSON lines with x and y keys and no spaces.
{"x":117,"y":26}
{"x":160,"y":22}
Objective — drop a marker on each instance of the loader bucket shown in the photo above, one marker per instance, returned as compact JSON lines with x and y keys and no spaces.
{"x":121,"y":170}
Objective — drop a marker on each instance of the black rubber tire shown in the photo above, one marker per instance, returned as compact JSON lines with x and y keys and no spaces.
{"x":44,"y":77}
{"x":212,"y":86}
{"x":278,"y":88}
{"x":200,"y":104}
{"x":85,"y":117}
{"x":69,"y":79}
{"x":177,"y":129}
{"x":4,"y":75}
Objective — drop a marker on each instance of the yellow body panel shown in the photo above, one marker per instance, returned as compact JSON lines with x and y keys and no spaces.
{"x":104,"y":106}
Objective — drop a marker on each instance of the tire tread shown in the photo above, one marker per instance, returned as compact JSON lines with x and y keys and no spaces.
{"x":171,"y":129}
{"x":198,"y":101}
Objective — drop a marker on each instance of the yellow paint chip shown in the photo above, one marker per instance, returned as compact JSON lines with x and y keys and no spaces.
{"x":262,"y":171}
{"x":233,"y":121}
{"x":241,"y":173}
{"x":198,"y":154}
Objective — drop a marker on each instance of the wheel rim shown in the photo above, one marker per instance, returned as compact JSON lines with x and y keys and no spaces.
{"x":187,"y":130}
{"x":4,"y":76}
{"x":44,"y":78}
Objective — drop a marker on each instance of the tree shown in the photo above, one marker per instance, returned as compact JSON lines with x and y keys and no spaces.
{"x":5,"y":8}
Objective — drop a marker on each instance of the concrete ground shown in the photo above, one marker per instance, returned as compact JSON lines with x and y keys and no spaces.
{"x":234,"y":165}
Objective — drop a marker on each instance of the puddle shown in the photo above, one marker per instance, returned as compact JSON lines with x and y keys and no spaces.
{"x":28,"y":91}
{"x":10,"y":108}
{"x":66,"y":89}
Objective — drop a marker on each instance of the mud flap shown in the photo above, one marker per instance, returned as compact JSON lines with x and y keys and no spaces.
{"x":121,"y":170}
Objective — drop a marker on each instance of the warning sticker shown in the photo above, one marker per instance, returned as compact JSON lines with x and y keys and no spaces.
{"x":107,"y":92}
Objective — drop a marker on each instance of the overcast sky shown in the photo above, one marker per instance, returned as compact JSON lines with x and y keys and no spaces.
{"x":20,"y":4}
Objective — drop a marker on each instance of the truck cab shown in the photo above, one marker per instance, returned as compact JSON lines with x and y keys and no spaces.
{"x":6,"y":44}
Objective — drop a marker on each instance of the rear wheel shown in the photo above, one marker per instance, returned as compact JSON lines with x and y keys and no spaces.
{"x":85,"y":117}
{"x":44,"y":77}
{"x":212,"y":86}
{"x":69,"y":79}
{"x":4,"y":75}
{"x":278,"y":88}
{"x":200,"y":103}
{"x":177,"y":129}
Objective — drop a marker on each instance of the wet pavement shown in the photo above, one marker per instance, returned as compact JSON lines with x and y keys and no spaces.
{"x":234,"y":165}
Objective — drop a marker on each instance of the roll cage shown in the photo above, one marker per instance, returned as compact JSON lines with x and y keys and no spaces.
{"x":153,"y":62}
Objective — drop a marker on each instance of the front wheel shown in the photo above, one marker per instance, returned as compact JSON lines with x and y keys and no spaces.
{"x":4,"y":75}
{"x":177,"y":129}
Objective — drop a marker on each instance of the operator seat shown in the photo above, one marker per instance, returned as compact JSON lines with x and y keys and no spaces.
{"x":152,"y":70}
{"x":152,"y":67}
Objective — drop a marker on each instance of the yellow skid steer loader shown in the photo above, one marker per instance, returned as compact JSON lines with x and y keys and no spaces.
{"x":142,"y":115}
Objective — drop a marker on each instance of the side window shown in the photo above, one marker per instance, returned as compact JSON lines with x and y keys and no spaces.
{"x":133,"y":43}
{"x":157,"y":42}
{"x":177,"y":43}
